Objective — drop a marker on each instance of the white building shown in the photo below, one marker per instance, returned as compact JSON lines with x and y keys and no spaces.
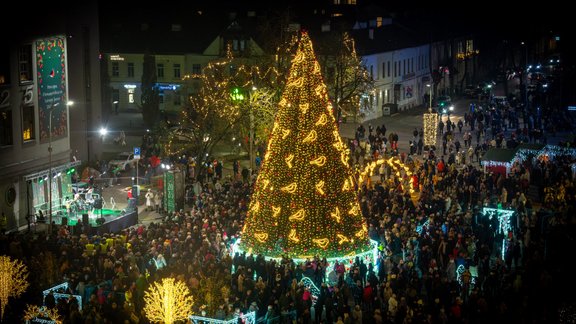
{"x":400,"y":67}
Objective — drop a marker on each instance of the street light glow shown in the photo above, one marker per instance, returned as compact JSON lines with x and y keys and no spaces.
{"x":103,"y":131}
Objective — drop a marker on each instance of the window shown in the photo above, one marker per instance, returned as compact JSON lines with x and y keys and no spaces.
{"x":371,"y":71}
{"x":160,"y":70}
{"x":131,"y":95}
{"x":395,"y":68}
{"x":196,"y":69}
{"x":115,"y":69}
{"x":177,"y":101}
{"x":412,"y":65}
{"x":404,"y":66}
{"x":25,"y":63}
{"x":5,"y":126}
{"x":130,"y":70}
{"x":238,"y":45}
{"x":177,"y":70}
{"x":28,"y":129}
{"x":469,"y":46}
{"x":388,"y":68}
{"x":383,"y":69}
{"x":161,"y":98}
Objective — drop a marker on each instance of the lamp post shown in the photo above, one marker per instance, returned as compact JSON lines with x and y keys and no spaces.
{"x":430,"y":96}
{"x":50,"y":167}
{"x":430,"y":121}
{"x":525,"y":73}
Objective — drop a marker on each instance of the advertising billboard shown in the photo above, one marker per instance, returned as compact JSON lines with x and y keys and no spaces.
{"x":51,"y":78}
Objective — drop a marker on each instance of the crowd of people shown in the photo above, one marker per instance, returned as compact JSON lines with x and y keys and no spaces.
{"x":441,"y":258}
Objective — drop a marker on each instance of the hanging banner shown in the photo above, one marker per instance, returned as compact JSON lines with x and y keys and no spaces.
{"x":51,"y":78}
{"x":66,"y":185}
{"x":169,"y":193}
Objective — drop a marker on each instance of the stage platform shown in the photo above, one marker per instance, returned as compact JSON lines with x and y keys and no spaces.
{"x":100,"y":220}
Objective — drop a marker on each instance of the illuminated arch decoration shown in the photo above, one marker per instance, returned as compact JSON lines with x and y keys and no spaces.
{"x":40,"y":314}
{"x":394,"y":162}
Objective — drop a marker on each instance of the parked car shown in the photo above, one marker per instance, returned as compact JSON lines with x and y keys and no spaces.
{"x":124,"y":161}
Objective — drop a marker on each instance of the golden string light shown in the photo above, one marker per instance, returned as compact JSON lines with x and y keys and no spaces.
{"x":168,"y":302}
{"x":291,"y":188}
{"x":292,"y":236}
{"x":276,"y":211}
{"x":310,"y":137}
{"x":320,"y":187}
{"x":288,"y":160}
{"x":262,"y":237}
{"x":322,"y":120}
{"x":321,"y":242}
{"x":320,"y":161}
{"x":430,"y":128}
{"x":342,"y":239}
{"x":298,"y":216}
{"x":336,"y":214}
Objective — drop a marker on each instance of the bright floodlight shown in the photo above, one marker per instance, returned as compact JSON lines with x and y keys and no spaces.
{"x":103,"y":131}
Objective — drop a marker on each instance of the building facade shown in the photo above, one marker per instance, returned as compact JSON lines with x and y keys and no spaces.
{"x":42,"y":71}
{"x":400,"y":78}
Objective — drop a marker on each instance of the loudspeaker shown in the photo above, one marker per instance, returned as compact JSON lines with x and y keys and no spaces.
{"x":98,"y":203}
{"x":85,"y":219}
{"x":64,"y":221}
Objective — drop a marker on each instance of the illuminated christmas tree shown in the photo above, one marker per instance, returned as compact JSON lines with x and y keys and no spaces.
{"x":304,"y":202}
{"x":13,"y":280}
{"x":168,"y":302}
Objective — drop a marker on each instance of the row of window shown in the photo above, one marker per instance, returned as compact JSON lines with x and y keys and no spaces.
{"x":403,"y":67}
{"x":176,"y":68}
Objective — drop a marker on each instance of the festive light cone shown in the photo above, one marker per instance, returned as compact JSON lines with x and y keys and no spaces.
{"x":304,"y":200}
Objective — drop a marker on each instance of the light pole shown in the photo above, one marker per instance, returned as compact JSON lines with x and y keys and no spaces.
{"x":525,"y":73}
{"x":430,"y":96}
{"x":50,"y":167}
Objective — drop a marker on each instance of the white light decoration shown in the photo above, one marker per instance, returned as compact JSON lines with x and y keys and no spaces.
{"x":505,"y":226}
{"x":248,"y":318}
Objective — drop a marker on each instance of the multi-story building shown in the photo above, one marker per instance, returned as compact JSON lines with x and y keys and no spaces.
{"x":399,"y":64}
{"x":180,"y":54}
{"x":46,"y":66}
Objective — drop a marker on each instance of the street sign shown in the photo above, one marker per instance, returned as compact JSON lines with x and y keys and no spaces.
{"x":137,"y":153}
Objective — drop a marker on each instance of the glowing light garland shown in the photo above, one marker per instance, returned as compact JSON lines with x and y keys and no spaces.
{"x":430,"y":128}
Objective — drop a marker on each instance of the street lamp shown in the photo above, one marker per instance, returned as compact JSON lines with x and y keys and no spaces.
{"x":525,"y":73}
{"x":430,"y":96}
{"x":50,"y":110}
